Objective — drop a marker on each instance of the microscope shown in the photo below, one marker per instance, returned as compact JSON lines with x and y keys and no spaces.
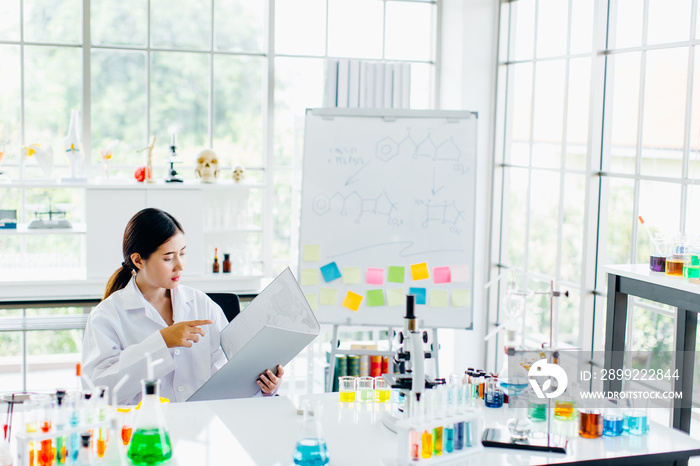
{"x":171,"y":177}
{"x":412,"y":355}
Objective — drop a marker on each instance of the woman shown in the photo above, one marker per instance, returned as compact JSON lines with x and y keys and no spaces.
{"x":146,"y":310}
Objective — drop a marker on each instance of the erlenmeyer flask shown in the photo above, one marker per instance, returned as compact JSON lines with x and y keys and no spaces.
{"x":311,"y":447}
{"x":150,"y":443}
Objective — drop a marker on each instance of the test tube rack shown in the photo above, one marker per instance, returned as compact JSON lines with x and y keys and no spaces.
{"x":25,"y":439}
{"x":410,"y":431}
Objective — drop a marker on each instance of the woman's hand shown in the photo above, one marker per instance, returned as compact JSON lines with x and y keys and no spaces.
{"x":269,"y":382}
{"x":184,"y":333}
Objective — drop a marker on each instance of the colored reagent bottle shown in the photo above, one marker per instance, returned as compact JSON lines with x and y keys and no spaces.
{"x":448,"y":442}
{"x":311,"y":447}
{"x":150,"y":443}
{"x":427,"y":440}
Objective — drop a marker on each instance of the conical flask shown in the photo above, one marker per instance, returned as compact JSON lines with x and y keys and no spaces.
{"x":311,"y":447}
{"x":150,"y":443}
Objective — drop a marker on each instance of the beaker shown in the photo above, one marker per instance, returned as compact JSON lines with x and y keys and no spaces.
{"x":590,"y":422}
{"x":382,"y":391}
{"x":150,"y":443}
{"x":613,"y":421}
{"x":537,"y":409}
{"x":346,"y":388}
{"x":635,"y":420}
{"x":365,"y":389}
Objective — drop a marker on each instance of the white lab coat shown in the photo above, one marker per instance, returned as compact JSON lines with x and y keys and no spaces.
{"x":124,"y":327}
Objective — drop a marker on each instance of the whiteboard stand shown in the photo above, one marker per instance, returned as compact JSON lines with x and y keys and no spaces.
{"x":336,"y":351}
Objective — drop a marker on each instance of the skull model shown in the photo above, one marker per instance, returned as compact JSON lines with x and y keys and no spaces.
{"x":207,"y":166}
{"x":238,"y":173}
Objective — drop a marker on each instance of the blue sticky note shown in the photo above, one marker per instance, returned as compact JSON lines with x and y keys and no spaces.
{"x":420,"y":294}
{"x":330,"y":272}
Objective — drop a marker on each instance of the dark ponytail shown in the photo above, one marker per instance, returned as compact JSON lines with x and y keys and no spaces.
{"x":144,"y":234}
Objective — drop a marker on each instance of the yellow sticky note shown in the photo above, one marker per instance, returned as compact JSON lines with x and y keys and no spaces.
{"x":420,"y":271}
{"x":352,"y":301}
{"x":312,"y":298}
{"x":309,"y":277}
{"x":312,"y":253}
{"x":461,"y":298}
{"x":351,"y":275}
{"x":438,"y":298}
{"x":395,"y":297}
{"x":329,"y":297}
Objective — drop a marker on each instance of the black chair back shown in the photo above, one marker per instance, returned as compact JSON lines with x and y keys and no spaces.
{"x":228,"y":302}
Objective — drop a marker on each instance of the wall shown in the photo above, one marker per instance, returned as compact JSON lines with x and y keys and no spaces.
{"x":469,"y":44}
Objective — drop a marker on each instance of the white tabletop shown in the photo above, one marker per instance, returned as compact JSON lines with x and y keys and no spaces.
{"x":264,"y":431}
{"x":642,"y":272}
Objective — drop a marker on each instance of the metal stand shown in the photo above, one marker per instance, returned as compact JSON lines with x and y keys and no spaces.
{"x":336,"y":351}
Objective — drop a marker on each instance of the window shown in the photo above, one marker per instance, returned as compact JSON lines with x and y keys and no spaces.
{"x":598,"y":107}
{"x":233,"y":75}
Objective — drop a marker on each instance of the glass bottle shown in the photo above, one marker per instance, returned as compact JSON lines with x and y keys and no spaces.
{"x":311,"y":447}
{"x":85,"y":453}
{"x":215,"y":265}
{"x":227,"y":263}
{"x":150,"y":443}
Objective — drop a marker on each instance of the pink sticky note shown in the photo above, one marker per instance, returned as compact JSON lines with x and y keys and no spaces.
{"x":441,"y":275}
{"x":375,"y":276}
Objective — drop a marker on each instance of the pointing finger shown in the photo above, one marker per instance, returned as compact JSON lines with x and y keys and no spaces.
{"x":194,"y":323}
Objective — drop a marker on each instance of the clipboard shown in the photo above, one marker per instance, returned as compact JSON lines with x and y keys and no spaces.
{"x":271,"y":330}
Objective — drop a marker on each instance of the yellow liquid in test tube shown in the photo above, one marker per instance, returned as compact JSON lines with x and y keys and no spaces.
{"x":347,"y":396}
{"x":382,"y":395}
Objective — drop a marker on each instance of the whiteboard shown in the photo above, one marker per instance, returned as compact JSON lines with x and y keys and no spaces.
{"x":386,"y":191}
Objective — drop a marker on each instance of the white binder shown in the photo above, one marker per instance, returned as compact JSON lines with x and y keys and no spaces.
{"x":271,"y":330}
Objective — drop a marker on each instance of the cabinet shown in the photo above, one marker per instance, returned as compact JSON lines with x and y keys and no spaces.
{"x":225,"y":215}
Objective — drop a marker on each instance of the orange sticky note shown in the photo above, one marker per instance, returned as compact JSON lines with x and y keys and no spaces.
{"x":420,"y":271}
{"x":352,"y":301}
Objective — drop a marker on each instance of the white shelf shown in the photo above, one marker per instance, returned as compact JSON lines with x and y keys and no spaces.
{"x":127,"y":184}
{"x":77,"y":229}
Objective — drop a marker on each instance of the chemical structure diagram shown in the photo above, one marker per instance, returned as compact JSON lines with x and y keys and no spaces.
{"x":354,"y":203}
{"x":446,"y":151}
{"x":446,"y":213}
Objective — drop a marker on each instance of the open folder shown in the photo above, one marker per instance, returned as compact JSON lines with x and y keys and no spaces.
{"x":271,"y":330}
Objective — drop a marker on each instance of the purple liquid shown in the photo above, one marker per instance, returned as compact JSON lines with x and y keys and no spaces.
{"x":657,"y":264}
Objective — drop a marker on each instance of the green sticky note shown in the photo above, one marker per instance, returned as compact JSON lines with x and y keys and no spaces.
{"x":438,"y":298}
{"x":312,"y":253}
{"x":312,"y":298}
{"x":375,"y":298}
{"x":461,"y":298}
{"x":395,"y":297}
{"x":309,"y":277}
{"x":396,"y":274}
{"x":352,"y":275}
{"x":329,"y":297}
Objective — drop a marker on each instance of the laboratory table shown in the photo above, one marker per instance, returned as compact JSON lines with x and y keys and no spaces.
{"x":264,"y":431}
{"x":638,"y":280}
